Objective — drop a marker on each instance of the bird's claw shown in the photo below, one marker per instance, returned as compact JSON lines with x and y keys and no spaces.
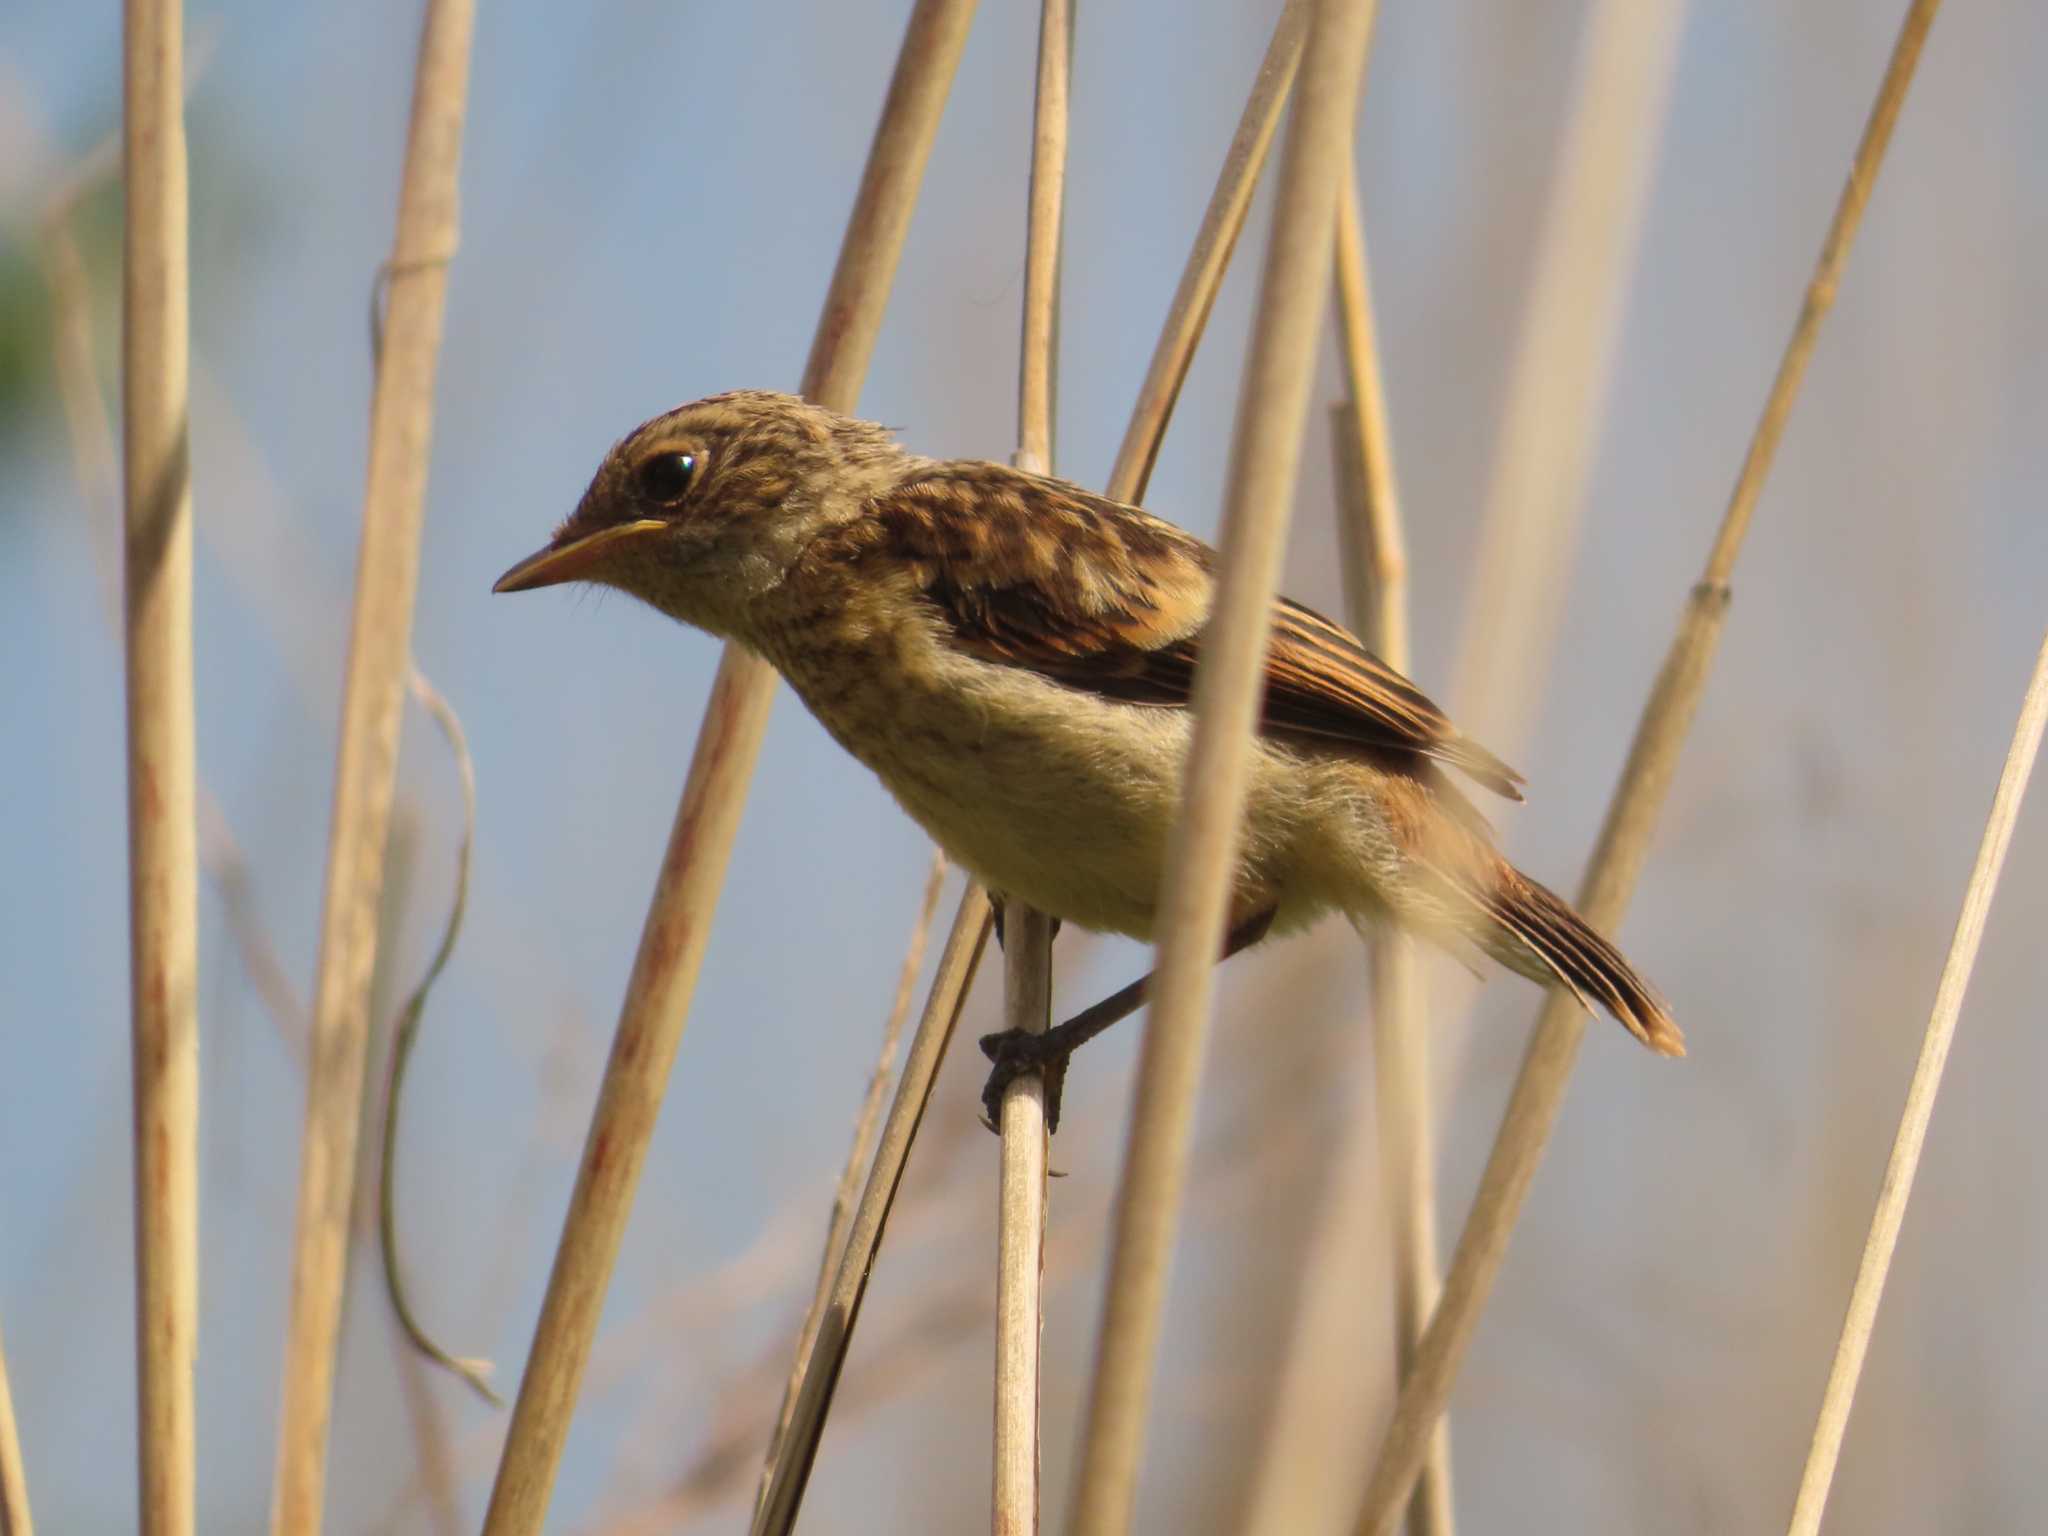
{"x":1019,"y":1053}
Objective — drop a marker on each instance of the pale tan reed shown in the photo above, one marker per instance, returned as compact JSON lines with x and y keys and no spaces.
{"x":1624,"y":841}
{"x":1904,"y":1162}
{"x":1027,"y":989}
{"x":163,"y":853}
{"x":1020,"y":1229}
{"x":14,"y":1515}
{"x":1215,"y":242}
{"x":380,"y":643}
{"x":678,"y":921}
{"x":1391,"y":1152}
{"x":1379,"y":605}
{"x":1265,"y":458}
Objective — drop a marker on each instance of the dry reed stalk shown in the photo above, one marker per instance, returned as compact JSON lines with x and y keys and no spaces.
{"x":864,"y":1126}
{"x":777,"y":1513}
{"x":1265,"y":459}
{"x":380,"y":641}
{"x":1020,"y":1228}
{"x":1215,"y":241}
{"x":14,"y":1516}
{"x":1624,"y":840}
{"x":163,"y":853}
{"x":678,"y":921}
{"x":1379,"y":604}
{"x":1897,"y":1188}
{"x":1391,"y":1153}
{"x":1563,"y":363}
{"x":1027,"y":989}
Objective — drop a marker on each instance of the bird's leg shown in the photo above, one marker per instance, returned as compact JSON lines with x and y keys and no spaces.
{"x":1017,"y":1052}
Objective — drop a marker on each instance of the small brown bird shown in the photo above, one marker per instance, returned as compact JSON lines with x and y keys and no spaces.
{"x":1015,"y":658}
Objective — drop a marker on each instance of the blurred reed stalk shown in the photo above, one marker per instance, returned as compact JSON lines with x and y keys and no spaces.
{"x":1027,"y":934}
{"x":1186,"y":316}
{"x":14,"y":1516}
{"x":373,"y":695}
{"x":777,"y":1512}
{"x":163,"y":852}
{"x":1386,"y":1149}
{"x":1563,"y":365}
{"x":1201,"y":854}
{"x":1897,"y":1188}
{"x":1624,"y":842}
{"x":673,"y":940}
{"x":857,"y":1154}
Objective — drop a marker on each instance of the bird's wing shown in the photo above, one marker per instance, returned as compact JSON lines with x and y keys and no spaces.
{"x":1039,"y":574}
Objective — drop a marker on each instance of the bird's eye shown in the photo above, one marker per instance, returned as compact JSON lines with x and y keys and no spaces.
{"x":666,"y":476}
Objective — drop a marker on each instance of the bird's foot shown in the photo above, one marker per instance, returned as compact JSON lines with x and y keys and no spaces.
{"x":1020,"y":1053}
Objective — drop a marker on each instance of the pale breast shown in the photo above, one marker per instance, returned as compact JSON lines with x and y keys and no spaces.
{"x":1056,"y":797}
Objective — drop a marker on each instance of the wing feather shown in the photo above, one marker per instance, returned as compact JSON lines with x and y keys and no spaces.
{"x":1036,"y":573}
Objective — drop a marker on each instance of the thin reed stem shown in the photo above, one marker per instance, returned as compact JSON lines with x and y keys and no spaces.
{"x":1215,"y":242}
{"x":865,"y":1125}
{"x":678,"y":921}
{"x":778,"y":1511}
{"x":1377,"y":589}
{"x":373,"y":695}
{"x":1027,"y":990}
{"x":1623,"y":844}
{"x":1020,"y":1227}
{"x":163,"y":853}
{"x":14,"y":1516}
{"x":405,"y":1035}
{"x":1201,"y":853}
{"x":1904,"y":1163}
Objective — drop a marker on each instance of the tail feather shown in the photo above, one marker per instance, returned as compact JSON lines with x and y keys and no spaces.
{"x":1537,"y":924}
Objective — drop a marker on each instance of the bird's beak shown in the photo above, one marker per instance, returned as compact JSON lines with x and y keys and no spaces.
{"x":574,"y":561}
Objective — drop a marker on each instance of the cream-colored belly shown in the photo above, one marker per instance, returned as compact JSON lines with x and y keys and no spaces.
{"x":1065,"y":801}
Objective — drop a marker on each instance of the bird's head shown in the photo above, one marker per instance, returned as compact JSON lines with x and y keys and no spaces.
{"x":702,"y":511}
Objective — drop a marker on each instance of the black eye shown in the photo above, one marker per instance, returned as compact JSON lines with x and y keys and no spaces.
{"x":666,"y":476}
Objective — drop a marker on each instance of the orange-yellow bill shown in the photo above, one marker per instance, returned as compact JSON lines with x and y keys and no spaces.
{"x":575,"y":561}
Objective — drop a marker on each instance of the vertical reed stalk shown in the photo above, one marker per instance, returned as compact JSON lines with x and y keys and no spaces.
{"x":380,"y":644}
{"x":1194,"y":893}
{"x":1897,"y":1188}
{"x":1378,"y":589}
{"x":1624,"y":841}
{"x":1020,"y":1231}
{"x":678,"y":921}
{"x":1563,"y":363}
{"x":1027,"y":991}
{"x":163,"y":879}
{"x":14,"y":1517}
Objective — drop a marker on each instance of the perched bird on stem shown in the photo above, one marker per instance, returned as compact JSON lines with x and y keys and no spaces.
{"x":1014,"y":658}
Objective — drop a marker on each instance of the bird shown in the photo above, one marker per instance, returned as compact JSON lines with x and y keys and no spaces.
{"x":1014,"y":656}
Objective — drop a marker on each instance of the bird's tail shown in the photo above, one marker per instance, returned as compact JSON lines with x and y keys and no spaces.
{"x":1469,"y":892}
{"x":1535,"y":933}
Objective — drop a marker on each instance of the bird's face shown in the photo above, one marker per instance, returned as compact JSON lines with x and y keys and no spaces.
{"x":701,"y":511}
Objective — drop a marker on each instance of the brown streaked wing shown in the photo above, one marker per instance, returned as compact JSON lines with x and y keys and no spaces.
{"x":1040,"y":574}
